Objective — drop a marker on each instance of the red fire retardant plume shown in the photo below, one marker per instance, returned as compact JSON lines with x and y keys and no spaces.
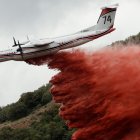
{"x":99,"y":92}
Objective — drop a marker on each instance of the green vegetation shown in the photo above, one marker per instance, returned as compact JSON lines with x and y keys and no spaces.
{"x":50,"y":127}
{"x":26,"y":104}
{"x":47,"y":127}
{"x":135,"y":39}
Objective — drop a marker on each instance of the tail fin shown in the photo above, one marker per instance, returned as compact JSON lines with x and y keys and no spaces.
{"x":107,"y":17}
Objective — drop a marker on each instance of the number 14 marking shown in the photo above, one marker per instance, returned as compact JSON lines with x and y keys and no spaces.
{"x":107,"y":18}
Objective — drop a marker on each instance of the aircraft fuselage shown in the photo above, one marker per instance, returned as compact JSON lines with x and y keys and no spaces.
{"x":41,"y":47}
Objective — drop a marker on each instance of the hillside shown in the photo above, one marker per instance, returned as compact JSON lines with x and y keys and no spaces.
{"x":26,"y":121}
{"x":33,"y":117}
{"x":135,"y":39}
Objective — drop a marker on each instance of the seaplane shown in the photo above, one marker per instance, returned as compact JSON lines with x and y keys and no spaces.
{"x":22,"y":51}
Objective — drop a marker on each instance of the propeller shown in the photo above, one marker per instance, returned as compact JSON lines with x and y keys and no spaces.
{"x":19,"y":45}
{"x":20,"y":49}
{"x":15,"y":43}
{"x":28,"y":38}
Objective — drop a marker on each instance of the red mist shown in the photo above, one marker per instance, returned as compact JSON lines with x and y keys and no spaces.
{"x":99,"y":92}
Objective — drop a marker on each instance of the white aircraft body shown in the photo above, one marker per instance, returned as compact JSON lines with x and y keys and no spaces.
{"x":41,"y":47}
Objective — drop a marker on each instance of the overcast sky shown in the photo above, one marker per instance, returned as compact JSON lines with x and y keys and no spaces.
{"x":51,"y":18}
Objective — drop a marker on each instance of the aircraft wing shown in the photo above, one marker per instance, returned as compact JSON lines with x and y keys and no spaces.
{"x":43,"y":43}
{"x":50,"y":44}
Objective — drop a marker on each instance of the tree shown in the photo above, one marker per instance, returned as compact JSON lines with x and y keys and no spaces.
{"x":18,"y":110}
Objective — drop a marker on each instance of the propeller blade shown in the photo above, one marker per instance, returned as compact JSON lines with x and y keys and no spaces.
{"x":19,"y":44}
{"x":15,"y":44}
{"x":20,"y":49}
{"x":27,"y":37}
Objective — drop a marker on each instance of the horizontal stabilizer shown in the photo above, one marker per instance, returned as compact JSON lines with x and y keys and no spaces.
{"x":111,"y":6}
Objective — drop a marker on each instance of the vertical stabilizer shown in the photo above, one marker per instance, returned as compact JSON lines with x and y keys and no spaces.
{"x":107,"y":17}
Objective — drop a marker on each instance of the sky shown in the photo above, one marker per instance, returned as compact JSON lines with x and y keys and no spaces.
{"x":52,"y":18}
